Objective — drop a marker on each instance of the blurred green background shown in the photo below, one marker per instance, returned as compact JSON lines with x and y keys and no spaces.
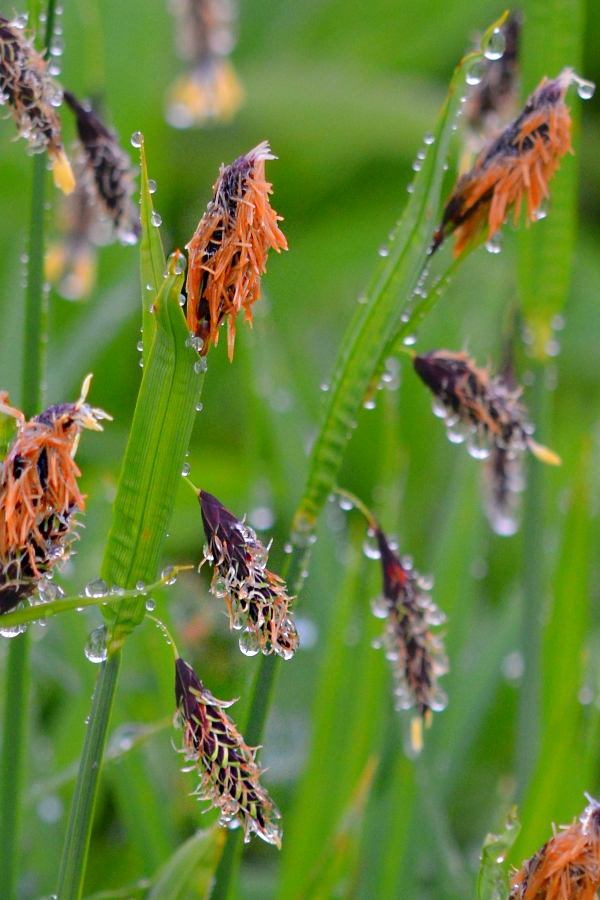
{"x":344,"y":91}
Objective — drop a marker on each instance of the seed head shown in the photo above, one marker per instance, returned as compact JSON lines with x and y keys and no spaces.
{"x":491,"y":103}
{"x":32,"y":98}
{"x":567,"y":866}
{"x":229,"y":775}
{"x":107,"y":171}
{"x":39,"y":495}
{"x":256,"y":598}
{"x":514,"y":168}
{"x":211,"y":90}
{"x":416,"y":654}
{"x":486,"y":412}
{"x":228,"y":252}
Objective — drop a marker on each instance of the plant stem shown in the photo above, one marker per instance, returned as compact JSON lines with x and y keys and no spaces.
{"x":72,"y":872}
{"x":16,"y":712}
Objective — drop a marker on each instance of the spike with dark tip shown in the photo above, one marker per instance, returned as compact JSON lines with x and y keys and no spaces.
{"x":256,"y":598}
{"x":229,"y":775}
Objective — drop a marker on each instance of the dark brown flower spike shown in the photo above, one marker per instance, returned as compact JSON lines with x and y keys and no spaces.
{"x":211,"y":90}
{"x":256,"y":599}
{"x":228,"y":252}
{"x":39,"y":495}
{"x":108,"y":170}
{"x":416,"y":654}
{"x":567,"y":867}
{"x":486,"y":412}
{"x":229,"y":775}
{"x":514,"y":169}
{"x":32,"y":98}
{"x":491,"y":103}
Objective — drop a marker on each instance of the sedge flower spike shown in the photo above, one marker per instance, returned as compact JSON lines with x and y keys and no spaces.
{"x":567,"y":866}
{"x":416,"y":654}
{"x":486,"y":412}
{"x":39,"y":495}
{"x":256,"y":599}
{"x":107,"y":170}
{"x":228,"y":252}
{"x":32,"y":98}
{"x":211,"y":90}
{"x":229,"y":775}
{"x":513,"y":170}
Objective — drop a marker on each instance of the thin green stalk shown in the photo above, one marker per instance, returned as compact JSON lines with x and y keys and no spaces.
{"x":12,"y":762}
{"x":78,"y":837}
{"x":528,"y":729}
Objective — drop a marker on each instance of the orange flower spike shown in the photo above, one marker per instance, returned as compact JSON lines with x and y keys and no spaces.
{"x":567,"y":866}
{"x":228,"y":252}
{"x":515,"y":166}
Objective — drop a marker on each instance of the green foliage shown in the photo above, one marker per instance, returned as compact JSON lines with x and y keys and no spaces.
{"x":492,"y":883}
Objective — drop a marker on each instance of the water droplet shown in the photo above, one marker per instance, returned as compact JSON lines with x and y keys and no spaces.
{"x":156,"y":218}
{"x":478,"y":444}
{"x":182,"y":299}
{"x":496,"y":45}
{"x":416,"y":165}
{"x":370,"y":403}
{"x":585,"y":89}
{"x":249,"y":643}
{"x":429,"y":138}
{"x":384,"y":251}
{"x":179,"y":260}
{"x":141,"y":587}
{"x":96,"y":648}
{"x":558,"y":323}
{"x":97,"y":587}
{"x":199,"y":407}
{"x":409,"y":340}
{"x":141,"y":363}
{"x":186,"y":469}
{"x":15,"y":629}
{"x":169,"y":575}
{"x":553,"y":347}
{"x":346,"y":504}
{"x":421,"y":154}
{"x":201,"y":365}
{"x":475,"y":73}
{"x":425,"y":582}
{"x":150,"y":604}
{"x":410,"y":188}
{"x":137,"y":139}
{"x":140,"y":346}
{"x":371,"y":550}
{"x":438,"y":408}
{"x":152,"y":185}
{"x":380,"y":607}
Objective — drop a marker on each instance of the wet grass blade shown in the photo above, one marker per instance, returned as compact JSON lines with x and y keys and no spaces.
{"x":152,"y":257}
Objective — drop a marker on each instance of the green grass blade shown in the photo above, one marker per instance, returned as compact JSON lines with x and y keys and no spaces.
{"x":188,"y":874}
{"x":154,"y":458}
{"x":377,"y":320}
{"x":563,"y":771}
{"x":552,"y":39}
{"x":152,"y":258}
{"x":492,"y":883}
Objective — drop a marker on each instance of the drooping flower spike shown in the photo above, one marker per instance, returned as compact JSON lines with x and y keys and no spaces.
{"x":229,"y":775}
{"x":32,"y":98}
{"x":491,"y":102}
{"x":514,"y":169}
{"x":416,"y":655}
{"x":39,"y":495}
{"x":107,"y":172}
{"x":256,"y":599}
{"x":567,"y":867}
{"x":211,"y":90}
{"x":486,"y":412}
{"x":228,"y":252}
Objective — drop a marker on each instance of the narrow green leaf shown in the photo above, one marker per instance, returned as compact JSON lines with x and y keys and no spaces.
{"x":188,"y":874}
{"x":492,"y":883}
{"x":377,"y":321}
{"x":564,"y":769}
{"x":154,"y":458}
{"x":152,"y":257}
{"x":552,"y":39}
{"x":8,"y":426}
